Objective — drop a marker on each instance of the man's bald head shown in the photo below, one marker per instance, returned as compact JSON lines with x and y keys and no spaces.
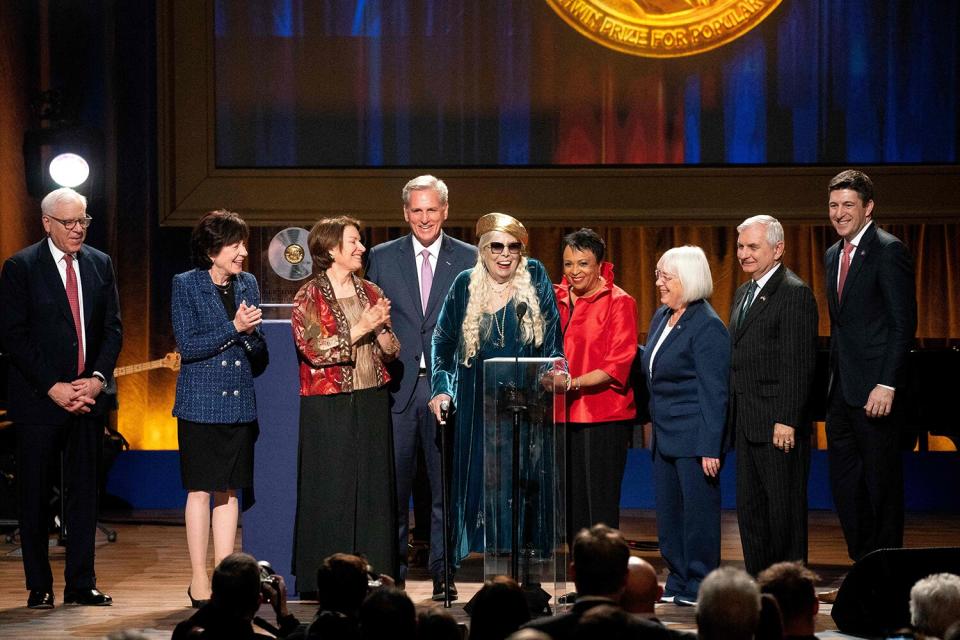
{"x":642,"y":590}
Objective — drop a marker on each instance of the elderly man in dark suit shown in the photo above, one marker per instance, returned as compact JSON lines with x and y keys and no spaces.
{"x":773,"y":331}
{"x":871,"y":294}
{"x":415,"y":273}
{"x":61,"y":326}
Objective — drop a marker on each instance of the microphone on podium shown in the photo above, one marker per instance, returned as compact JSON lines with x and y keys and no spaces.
{"x":521,"y":311}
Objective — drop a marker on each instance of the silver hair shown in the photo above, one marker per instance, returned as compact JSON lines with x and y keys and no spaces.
{"x":774,"y":228}
{"x":64,"y":194}
{"x":421,"y":183}
{"x":689,"y":264}
{"x":935,"y":603}
{"x":728,"y":605}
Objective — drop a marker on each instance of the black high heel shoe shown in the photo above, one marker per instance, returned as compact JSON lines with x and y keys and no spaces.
{"x":196,"y":604}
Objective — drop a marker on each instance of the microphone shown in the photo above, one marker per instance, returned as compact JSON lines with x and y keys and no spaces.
{"x":444,"y":411}
{"x":521,"y":311}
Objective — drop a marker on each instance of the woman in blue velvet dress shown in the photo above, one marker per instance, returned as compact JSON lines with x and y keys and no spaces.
{"x":478,"y":321}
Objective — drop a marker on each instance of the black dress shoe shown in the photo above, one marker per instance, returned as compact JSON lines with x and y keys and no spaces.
{"x":438,"y":591}
{"x":40,"y":600}
{"x":87,"y":597}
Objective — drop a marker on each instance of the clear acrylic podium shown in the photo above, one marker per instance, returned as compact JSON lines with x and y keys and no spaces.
{"x":525,"y":504}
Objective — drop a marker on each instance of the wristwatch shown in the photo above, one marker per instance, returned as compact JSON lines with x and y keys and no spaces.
{"x":99,"y":376}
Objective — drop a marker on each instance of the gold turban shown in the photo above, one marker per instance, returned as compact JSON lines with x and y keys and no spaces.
{"x":502,"y":222}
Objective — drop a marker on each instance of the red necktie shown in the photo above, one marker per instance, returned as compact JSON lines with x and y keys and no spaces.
{"x":73,"y":296}
{"x":844,"y":266}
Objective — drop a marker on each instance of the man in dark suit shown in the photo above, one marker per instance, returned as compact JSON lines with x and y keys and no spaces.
{"x":773,"y":332}
{"x":61,"y":326}
{"x":871,"y":294}
{"x":415,"y":273}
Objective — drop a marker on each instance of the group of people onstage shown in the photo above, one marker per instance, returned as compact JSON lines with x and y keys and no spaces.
{"x":381,"y":358}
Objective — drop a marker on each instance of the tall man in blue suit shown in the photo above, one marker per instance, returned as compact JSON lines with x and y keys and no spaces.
{"x":773,"y":328}
{"x":61,"y":326}
{"x":415,"y":273}
{"x":871,"y":294}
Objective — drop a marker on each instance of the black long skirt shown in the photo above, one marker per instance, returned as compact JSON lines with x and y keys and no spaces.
{"x":346,"y":485}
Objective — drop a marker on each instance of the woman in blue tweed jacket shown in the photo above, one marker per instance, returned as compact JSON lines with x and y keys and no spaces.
{"x":216,"y":321}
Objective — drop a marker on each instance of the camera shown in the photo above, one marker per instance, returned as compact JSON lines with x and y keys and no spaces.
{"x":268,"y":577}
{"x":373,"y":579}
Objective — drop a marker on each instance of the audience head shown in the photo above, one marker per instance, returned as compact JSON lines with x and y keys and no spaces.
{"x":642,"y":590}
{"x":528,"y":634}
{"x":599,"y":562}
{"x":728,"y":605}
{"x":794,"y":587}
{"x":770,"y":623}
{"x":952,"y":632}
{"x":604,"y":621}
{"x":236,"y":585}
{"x":498,"y":609}
{"x":388,"y":613}
{"x":935,"y":604}
{"x":342,"y":583}
{"x":437,"y":624}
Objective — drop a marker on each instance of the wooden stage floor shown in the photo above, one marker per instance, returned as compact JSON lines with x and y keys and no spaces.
{"x":147,"y":572}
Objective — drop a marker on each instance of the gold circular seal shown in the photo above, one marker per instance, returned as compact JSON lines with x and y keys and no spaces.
{"x":294,"y":253}
{"x":663,"y":28}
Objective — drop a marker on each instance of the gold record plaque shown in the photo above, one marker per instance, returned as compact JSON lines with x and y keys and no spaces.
{"x":288,"y":254}
{"x":663,"y":28}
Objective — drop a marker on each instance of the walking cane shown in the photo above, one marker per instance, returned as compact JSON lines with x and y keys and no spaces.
{"x":444,"y":414}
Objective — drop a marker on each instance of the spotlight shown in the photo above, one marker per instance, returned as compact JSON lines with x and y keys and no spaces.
{"x":63,"y":156}
{"x":69,"y":170}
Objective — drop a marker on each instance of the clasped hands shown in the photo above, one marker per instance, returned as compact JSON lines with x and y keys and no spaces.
{"x":76,"y":397}
{"x":247,"y":318}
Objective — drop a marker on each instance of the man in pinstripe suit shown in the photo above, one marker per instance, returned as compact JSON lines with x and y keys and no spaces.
{"x":773,"y":327}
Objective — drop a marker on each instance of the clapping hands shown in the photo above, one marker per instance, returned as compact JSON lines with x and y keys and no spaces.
{"x":247,"y":318}
{"x":376,"y":316}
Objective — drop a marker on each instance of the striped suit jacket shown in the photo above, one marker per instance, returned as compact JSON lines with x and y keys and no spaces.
{"x":773,"y":356}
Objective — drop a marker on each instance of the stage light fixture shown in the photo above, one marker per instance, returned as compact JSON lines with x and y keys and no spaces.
{"x":69,"y":170}
{"x":63,"y":156}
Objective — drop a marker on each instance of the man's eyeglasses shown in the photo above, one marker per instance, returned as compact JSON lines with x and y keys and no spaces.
{"x":70,"y":225}
{"x":663,"y":275}
{"x":496,"y":248}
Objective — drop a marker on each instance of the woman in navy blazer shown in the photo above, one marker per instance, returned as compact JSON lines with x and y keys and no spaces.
{"x":216,"y":322}
{"x":687,"y":364}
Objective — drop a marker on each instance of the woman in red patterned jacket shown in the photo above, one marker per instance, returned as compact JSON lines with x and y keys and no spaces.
{"x":599,"y":324}
{"x":346,"y":486}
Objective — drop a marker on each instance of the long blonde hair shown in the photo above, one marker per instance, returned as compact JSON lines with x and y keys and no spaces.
{"x":481,"y":294}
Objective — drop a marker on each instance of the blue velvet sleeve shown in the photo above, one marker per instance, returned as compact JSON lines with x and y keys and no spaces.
{"x":446,"y":337}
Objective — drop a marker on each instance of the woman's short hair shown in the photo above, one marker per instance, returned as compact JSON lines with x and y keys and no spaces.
{"x":214,"y":231}
{"x":586,"y":240}
{"x":324,"y":236}
{"x":689,"y":264}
